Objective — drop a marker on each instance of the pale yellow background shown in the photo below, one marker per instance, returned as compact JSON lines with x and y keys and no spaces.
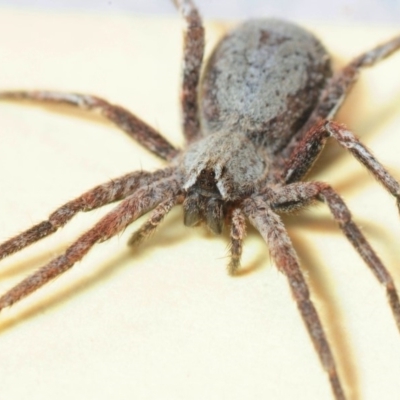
{"x":167,"y":322}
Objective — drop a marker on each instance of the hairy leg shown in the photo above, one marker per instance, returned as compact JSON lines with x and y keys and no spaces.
{"x":97,"y":197}
{"x":281,"y":249}
{"x":238,"y":232}
{"x":340,"y":85}
{"x":300,"y":194}
{"x":312,"y":144}
{"x":150,"y":226}
{"x":193,"y":50}
{"x":114,"y":222}
{"x":137,"y":129}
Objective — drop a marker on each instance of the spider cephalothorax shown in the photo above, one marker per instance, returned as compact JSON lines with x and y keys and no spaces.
{"x":217,"y":171}
{"x":254,"y":127}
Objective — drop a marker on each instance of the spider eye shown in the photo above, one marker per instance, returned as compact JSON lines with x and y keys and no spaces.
{"x":206,"y":183}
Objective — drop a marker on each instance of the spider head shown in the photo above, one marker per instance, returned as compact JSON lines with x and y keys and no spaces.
{"x":219,"y":170}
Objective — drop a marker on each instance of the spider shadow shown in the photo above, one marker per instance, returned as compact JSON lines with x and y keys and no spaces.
{"x":168,"y":234}
{"x":323,"y":293}
{"x":101,"y":273}
{"x":259,"y":259}
{"x":65,"y":110}
{"x":38,"y":258}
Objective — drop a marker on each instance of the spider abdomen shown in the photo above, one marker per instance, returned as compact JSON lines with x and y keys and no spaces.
{"x":263,"y":79}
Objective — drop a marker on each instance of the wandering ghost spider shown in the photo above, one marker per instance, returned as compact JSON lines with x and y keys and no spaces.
{"x":250,"y":169}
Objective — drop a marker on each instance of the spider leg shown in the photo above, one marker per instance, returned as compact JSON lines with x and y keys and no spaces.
{"x":156,"y":217}
{"x":283,"y":254}
{"x":137,"y":129}
{"x":238,"y":232}
{"x":341,"y":83}
{"x":114,"y":222}
{"x":301,"y":193}
{"x":97,"y":197}
{"x":193,"y":50}
{"x":310,"y":147}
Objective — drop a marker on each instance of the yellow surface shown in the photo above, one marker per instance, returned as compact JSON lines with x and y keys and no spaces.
{"x":168,"y":322}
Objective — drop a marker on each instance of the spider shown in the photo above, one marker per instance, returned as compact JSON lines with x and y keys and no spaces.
{"x":254,"y":126}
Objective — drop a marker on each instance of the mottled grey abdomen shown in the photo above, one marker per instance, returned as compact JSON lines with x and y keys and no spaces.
{"x":263,"y":79}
